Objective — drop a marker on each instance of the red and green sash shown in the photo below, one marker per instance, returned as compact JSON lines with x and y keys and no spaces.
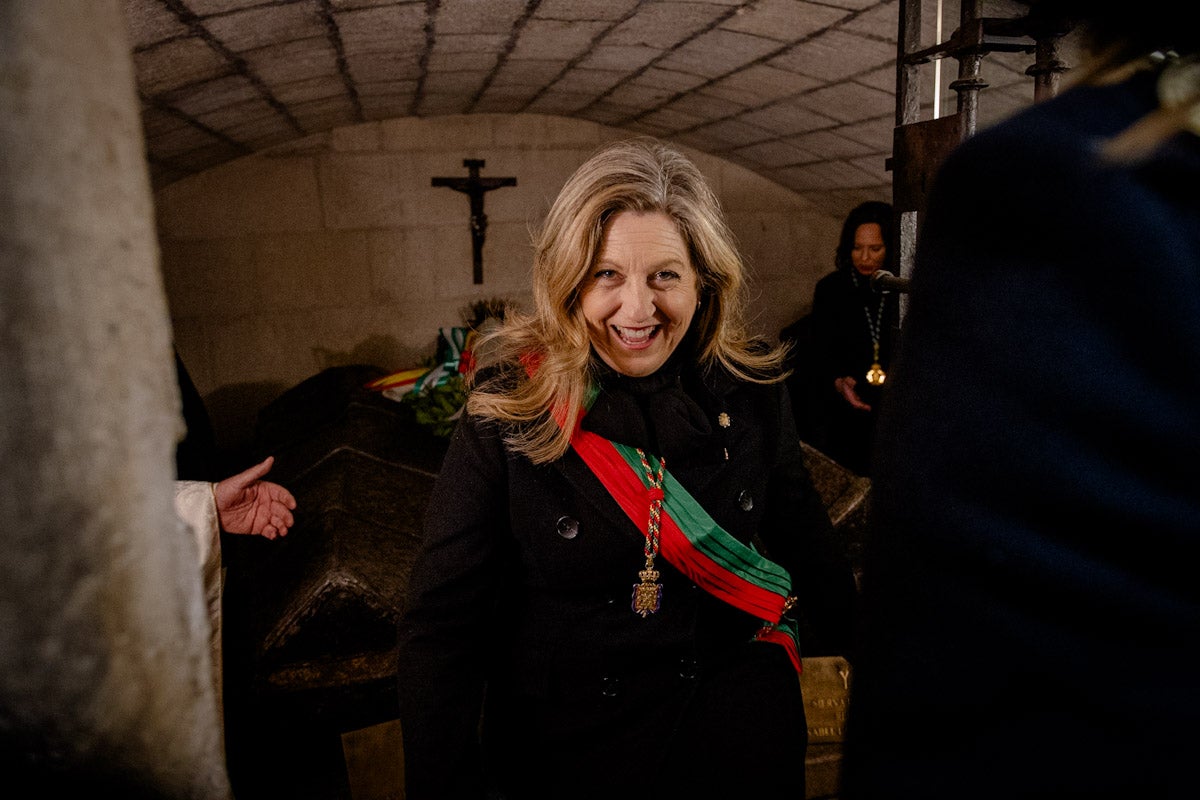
{"x":694,"y":543}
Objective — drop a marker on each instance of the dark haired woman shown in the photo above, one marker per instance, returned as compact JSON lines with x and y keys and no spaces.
{"x":852,"y":336}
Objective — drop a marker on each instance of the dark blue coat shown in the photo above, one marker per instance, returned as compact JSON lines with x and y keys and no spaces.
{"x":1030,"y":584}
{"x":523,"y":590}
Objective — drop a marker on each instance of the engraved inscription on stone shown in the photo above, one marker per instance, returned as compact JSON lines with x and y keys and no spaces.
{"x":825,"y":682}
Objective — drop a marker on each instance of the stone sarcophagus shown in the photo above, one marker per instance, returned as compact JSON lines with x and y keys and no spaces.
{"x":847,"y":500}
{"x":319,"y":607}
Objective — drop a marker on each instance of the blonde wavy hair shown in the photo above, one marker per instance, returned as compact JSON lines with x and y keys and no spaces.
{"x":640,"y":174}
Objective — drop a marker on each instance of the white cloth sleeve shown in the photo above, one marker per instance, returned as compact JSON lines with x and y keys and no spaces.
{"x":196,"y":505}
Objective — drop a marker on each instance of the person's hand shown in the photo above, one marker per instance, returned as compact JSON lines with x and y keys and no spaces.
{"x":248,"y":504}
{"x":845,"y":387}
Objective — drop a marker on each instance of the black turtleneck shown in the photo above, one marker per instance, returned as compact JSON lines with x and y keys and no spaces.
{"x":670,"y":413}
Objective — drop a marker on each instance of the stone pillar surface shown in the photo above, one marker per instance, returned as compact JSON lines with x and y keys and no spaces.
{"x":104,"y":665}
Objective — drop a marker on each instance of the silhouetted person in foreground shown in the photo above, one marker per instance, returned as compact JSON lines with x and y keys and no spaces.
{"x":1033,"y":611}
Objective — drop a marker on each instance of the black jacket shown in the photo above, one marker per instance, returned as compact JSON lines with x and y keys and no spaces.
{"x":845,"y":308}
{"x":523,"y":590}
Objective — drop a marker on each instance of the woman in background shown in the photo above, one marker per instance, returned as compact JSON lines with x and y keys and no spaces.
{"x":852,"y":336}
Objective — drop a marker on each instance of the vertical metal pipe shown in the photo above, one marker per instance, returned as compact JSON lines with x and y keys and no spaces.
{"x":908,"y":106}
{"x":1047,"y":69}
{"x":908,"y":77}
{"x":969,"y":81}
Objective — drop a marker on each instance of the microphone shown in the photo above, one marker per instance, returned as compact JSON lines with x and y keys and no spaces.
{"x":884,"y":281}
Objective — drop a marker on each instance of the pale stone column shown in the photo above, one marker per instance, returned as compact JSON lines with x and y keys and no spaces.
{"x":104,"y":664}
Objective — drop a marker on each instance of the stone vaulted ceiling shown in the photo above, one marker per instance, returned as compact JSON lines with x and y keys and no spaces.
{"x":802,"y":93}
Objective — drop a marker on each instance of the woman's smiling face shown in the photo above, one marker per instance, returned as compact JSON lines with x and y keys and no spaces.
{"x":642,"y":292}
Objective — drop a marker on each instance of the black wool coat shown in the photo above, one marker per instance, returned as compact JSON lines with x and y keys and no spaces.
{"x":521,"y":597}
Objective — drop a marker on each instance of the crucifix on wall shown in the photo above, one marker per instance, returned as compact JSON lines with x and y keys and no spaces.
{"x":474,"y":187}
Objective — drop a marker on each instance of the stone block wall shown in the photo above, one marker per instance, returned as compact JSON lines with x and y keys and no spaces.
{"x":336,"y":249}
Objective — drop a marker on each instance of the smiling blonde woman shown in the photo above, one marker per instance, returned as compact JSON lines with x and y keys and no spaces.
{"x":623,"y":540}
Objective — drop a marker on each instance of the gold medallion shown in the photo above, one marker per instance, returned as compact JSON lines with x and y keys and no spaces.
{"x":647,"y":595}
{"x":875,"y":375}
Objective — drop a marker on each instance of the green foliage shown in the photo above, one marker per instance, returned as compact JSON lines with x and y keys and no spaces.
{"x":436,"y":407}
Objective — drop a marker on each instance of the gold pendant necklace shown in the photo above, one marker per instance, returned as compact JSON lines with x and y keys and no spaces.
{"x":875,"y":375}
{"x":647,"y":595}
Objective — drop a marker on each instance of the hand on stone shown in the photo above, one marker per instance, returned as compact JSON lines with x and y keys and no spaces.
{"x":248,"y":504}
